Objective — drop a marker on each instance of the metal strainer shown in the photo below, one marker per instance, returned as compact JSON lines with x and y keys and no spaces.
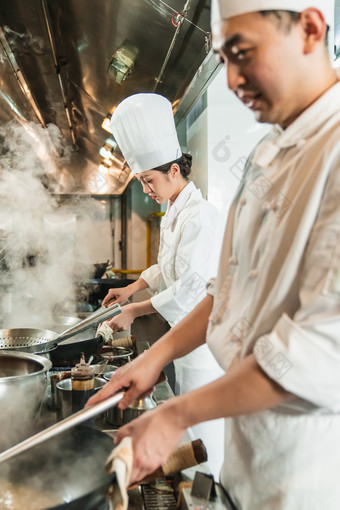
{"x":43,"y":340}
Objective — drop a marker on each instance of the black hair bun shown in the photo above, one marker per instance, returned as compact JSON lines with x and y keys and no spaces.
{"x":187,"y":163}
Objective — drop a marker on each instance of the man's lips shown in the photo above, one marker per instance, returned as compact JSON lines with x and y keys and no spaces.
{"x":250,"y":100}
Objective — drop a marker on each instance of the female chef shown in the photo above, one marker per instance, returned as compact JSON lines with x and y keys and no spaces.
{"x":190,"y":239}
{"x":273,"y":316}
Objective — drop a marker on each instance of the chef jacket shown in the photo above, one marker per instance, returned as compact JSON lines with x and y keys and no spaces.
{"x":277,"y":295}
{"x":190,"y":241}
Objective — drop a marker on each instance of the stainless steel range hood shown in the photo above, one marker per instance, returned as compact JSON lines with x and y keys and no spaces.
{"x":60,"y":61}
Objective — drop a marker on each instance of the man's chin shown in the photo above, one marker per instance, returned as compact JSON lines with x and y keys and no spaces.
{"x":263,"y":117}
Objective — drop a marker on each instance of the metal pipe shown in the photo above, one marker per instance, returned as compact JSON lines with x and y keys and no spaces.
{"x":148,"y":235}
{"x":20,"y":77}
{"x":172,"y":44}
{"x":123,"y":241}
{"x":58,"y":70}
{"x":112,"y":228}
{"x":127,"y":271}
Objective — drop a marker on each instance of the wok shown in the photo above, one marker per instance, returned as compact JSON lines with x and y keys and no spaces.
{"x":67,"y":352}
{"x":43,"y":340}
{"x":70,"y":466}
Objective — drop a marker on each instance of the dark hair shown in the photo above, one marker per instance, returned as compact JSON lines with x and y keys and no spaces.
{"x":287,"y":19}
{"x":184,"y":163}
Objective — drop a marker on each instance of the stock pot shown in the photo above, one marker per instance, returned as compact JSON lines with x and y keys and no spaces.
{"x":23,"y":381}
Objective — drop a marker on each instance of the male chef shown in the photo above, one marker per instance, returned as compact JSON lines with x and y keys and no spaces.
{"x":272,"y":316}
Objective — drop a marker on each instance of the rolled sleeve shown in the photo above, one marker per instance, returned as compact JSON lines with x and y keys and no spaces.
{"x":153,"y":277}
{"x":211,"y":287}
{"x":303,"y":360}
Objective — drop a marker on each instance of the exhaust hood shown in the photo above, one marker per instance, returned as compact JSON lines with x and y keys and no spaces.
{"x":69,"y":63}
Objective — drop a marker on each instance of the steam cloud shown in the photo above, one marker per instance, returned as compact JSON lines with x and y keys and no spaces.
{"x":38,"y":249}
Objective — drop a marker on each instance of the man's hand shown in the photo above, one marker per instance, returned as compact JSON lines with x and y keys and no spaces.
{"x":137,"y":377}
{"x":155,"y":435}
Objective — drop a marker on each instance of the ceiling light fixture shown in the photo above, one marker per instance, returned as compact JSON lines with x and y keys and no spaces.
{"x":106,"y":122}
{"x":105,"y":166}
{"x":106,"y":151}
{"x":122,"y":61}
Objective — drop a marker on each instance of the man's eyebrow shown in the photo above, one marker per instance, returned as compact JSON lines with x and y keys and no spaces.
{"x":229,"y":43}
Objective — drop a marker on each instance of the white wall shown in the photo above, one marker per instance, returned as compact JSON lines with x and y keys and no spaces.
{"x":220,"y":141}
{"x":197,"y":140}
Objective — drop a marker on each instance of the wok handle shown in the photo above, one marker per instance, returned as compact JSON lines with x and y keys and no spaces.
{"x":186,"y":456}
{"x":102,"y":314}
{"x":67,"y":423}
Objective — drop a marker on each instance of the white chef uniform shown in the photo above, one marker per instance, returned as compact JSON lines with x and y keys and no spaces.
{"x":190,"y":243}
{"x":277,"y":295}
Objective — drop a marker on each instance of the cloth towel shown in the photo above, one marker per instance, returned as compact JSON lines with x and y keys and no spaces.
{"x":120,"y":462}
{"x":105,"y":332}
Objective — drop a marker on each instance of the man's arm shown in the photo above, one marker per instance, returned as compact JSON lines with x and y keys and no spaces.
{"x":244,"y":389}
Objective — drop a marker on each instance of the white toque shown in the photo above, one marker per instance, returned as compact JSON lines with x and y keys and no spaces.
{"x":224,"y":9}
{"x":144,"y":128}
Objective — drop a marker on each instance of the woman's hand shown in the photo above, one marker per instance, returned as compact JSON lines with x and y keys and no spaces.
{"x":119,"y":295}
{"x":124,"y":320}
{"x":155,"y":435}
{"x":138,"y":376}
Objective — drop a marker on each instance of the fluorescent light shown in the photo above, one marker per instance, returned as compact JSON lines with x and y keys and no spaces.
{"x":106,"y":122}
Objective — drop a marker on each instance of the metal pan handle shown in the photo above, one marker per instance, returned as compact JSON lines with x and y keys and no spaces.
{"x":102,"y":314}
{"x":61,"y":426}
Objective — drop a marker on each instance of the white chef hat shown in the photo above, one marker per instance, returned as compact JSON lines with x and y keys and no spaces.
{"x":144,"y":128}
{"x":224,"y":9}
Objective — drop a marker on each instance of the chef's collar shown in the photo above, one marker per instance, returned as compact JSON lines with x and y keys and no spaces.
{"x":307,"y":124}
{"x":173,"y":209}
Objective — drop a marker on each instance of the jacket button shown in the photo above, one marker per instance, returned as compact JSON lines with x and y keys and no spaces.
{"x":253,"y":274}
{"x":268,"y":206}
{"x":243,"y":201}
{"x":233,"y":261}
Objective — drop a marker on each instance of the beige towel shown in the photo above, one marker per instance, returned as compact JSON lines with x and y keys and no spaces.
{"x":120,"y":462}
{"x":105,"y":332}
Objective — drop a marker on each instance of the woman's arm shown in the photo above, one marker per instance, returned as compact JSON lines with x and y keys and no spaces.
{"x":122,"y":294}
{"x":129,"y":313}
{"x":142,"y":373}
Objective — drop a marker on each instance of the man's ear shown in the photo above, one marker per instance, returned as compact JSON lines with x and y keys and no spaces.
{"x":314,"y":29}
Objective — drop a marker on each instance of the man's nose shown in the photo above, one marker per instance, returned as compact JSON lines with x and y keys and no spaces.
{"x":235,"y":77}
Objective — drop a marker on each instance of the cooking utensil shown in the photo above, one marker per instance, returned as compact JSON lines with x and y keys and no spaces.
{"x":64,"y":396}
{"x":101,"y":369}
{"x":185,"y":456}
{"x":68,"y":353}
{"x":119,"y":417}
{"x":70,"y":467}
{"x":67,"y":423}
{"x":109,"y":373}
{"x":23,"y":382}
{"x":117,"y":355}
{"x":42,"y":340}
